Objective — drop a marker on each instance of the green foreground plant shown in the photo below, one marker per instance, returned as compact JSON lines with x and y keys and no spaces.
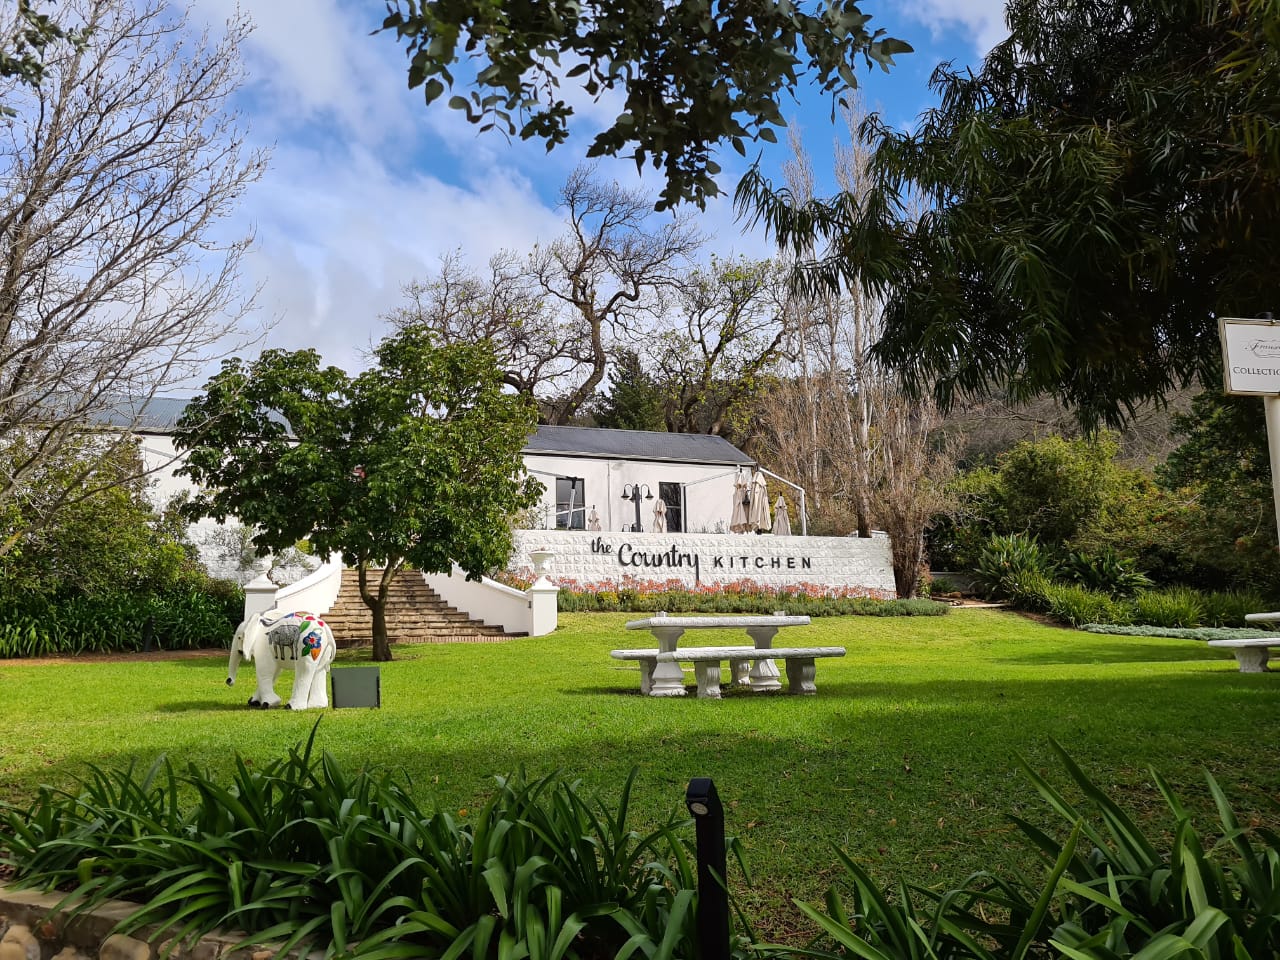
{"x":306,"y":853}
{"x":1109,"y":892}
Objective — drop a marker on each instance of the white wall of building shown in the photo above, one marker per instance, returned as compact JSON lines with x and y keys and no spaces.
{"x":708,"y":490}
{"x":160,"y":456}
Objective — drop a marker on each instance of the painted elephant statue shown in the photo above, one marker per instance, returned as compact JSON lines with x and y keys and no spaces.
{"x":274,"y":641}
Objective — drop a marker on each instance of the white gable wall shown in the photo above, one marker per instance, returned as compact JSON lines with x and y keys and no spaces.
{"x":708,"y":490}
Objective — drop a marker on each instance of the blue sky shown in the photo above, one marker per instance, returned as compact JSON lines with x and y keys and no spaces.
{"x":367,"y":188}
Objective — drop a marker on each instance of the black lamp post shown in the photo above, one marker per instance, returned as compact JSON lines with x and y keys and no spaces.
{"x":635,"y":492}
{"x":713,"y":898}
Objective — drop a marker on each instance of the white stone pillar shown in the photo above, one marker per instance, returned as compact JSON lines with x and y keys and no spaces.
{"x":543,"y":596}
{"x":259,"y":595}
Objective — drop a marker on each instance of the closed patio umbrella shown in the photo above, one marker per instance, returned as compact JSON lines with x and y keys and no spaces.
{"x":759,"y":513}
{"x":781,"y":522}
{"x":593,"y":520}
{"x":660,"y":516}
{"x":738,"y":522}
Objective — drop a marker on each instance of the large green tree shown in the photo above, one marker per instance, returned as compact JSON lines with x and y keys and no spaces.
{"x":1221,"y":474}
{"x":415,"y":461}
{"x":1103,"y":187}
{"x":692,"y":74}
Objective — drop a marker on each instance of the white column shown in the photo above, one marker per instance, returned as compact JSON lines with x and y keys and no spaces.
{"x":1271,"y":405}
{"x":259,"y":595}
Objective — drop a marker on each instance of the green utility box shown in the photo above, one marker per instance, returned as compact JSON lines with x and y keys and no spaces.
{"x":356,"y":687}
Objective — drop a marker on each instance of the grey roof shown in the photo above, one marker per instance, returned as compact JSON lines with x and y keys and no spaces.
{"x":635,"y":445}
{"x":156,"y":415}
{"x":160,"y":415}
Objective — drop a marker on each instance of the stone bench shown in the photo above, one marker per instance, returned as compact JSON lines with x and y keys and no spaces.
{"x":800,"y":663}
{"x":1251,"y":653}
{"x":666,"y":679}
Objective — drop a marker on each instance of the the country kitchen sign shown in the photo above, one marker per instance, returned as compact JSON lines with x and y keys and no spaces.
{"x":634,"y":558}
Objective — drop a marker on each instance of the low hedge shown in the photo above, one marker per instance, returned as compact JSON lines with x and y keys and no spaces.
{"x":193,"y":618}
{"x":795,"y":604}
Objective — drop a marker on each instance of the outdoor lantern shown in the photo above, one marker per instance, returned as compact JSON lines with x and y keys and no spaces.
{"x":635,"y":492}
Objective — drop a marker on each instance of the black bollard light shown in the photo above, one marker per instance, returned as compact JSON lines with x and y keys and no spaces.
{"x":713,"y":899}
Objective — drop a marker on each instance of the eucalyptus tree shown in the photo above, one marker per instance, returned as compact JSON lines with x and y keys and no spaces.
{"x":1103,"y":187}
{"x":118,"y":278}
{"x":415,"y":461}
{"x":691,"y":74}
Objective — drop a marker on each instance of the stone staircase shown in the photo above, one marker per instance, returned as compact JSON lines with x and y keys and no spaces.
{"x":415,"y":614}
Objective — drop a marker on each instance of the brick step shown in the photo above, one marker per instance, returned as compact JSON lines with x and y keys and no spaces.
{"x":367,"y":641}
{"x":408,"y":620}
{"x":419,"y":629}
{"x":450,"y":615}
{"x":415,"y":614}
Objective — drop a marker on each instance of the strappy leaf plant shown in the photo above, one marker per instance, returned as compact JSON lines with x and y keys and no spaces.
{"x":303,"y":852}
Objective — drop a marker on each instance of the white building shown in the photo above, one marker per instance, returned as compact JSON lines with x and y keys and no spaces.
{"x":598,"y":512}
{"x":611,"y":480}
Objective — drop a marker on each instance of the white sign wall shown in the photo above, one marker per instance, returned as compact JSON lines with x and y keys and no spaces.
{"x":608,"y":558}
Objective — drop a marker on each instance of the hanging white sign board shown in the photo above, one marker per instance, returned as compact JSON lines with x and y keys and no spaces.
{"x":1250,"y":356}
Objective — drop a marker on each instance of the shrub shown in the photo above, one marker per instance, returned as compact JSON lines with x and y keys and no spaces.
{"x":1110,"y":892}
{"x":1078,"y":605}
{"x":1172,"y":607}
{"x":1006,"y":561}
{"x":1182,"y":633}
{"x":1031,"y":592}
{"x":744,"y":597}
{"x":1105,"y":570}
{"x":191,"y":618}
{"x":1228,"y":608}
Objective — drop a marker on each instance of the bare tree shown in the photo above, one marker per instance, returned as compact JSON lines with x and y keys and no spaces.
{"x":819,"y":417}
{"x":115,"y":172}
{"x":609,"y":270}
{"x":554,"y":314}
{"x":911,"y":464}
{"x":839,"y":420}
{"x":539,"y":350}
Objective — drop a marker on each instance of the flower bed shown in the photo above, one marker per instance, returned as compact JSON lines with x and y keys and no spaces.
{"x":634,"y":595}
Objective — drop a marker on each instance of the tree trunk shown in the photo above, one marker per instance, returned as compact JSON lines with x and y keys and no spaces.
{"x":381,"y":642}
{"x":377,"y":604}
{"x":908,"y":557}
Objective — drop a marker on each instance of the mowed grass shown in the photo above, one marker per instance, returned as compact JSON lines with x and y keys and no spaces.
{"x":906,"y":757}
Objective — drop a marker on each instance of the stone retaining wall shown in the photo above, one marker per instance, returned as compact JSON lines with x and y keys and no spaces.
{"x":31,"y":929}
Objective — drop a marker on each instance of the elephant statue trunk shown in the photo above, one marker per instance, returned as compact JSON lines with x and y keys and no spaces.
{"x":237,"y":651}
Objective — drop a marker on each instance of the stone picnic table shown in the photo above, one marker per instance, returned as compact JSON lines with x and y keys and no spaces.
{"x":661,"y":675}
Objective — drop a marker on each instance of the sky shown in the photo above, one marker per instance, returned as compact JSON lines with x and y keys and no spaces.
{"x":367,"y":187}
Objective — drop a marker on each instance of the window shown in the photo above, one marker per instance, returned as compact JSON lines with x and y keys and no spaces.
{"x":571,"y":497}
{"x":672,"y":495}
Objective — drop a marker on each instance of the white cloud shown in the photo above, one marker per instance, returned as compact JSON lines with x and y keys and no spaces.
{"x":367,"y":188}
{"x":983,"y":20}
{"x":338,"y":238}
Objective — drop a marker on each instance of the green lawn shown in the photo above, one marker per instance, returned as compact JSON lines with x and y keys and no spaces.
{"x":906,"y":757}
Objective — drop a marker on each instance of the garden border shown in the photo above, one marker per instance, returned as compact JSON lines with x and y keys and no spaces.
{"x":30,"y":921}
